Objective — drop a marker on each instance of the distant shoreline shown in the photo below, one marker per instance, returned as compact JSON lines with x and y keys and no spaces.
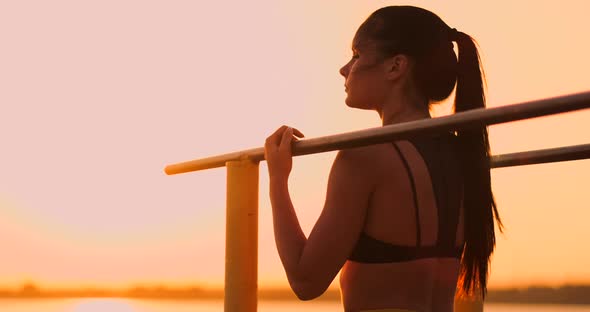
{"x":568,"y":294}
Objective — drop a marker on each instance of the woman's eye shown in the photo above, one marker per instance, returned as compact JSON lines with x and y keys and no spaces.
{"x":355,"y":56}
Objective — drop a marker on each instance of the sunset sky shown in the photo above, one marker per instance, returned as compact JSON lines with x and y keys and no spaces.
{"x":97,"y":97}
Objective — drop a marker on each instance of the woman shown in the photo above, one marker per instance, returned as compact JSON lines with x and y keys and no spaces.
{"x":407,"y":222}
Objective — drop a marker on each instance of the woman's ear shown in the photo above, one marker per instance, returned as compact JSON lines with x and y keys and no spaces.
{"x":397,"y":66}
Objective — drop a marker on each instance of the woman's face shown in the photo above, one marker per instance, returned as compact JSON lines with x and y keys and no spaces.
{"x":366,"y":85}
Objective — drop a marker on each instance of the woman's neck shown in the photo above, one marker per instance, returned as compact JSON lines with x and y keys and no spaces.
{"x":402,"y":111}
{"x":403,"y":104}
{"x":401,"y":117}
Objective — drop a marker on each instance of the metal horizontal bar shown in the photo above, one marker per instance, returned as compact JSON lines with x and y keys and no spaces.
{"x":464,"y":120}
{"x":549,"y":155}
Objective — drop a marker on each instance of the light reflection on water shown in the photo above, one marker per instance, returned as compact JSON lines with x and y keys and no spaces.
{"x":103,"y":304}
{"x":131,"y":305}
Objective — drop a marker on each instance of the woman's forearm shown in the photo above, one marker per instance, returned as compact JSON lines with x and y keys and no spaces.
{"x":289,"y":237}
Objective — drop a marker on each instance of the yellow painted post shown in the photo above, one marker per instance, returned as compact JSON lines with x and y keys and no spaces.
{"x":241,"y":237}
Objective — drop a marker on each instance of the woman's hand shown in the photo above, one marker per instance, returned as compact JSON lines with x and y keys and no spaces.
{"x":277,"y":151}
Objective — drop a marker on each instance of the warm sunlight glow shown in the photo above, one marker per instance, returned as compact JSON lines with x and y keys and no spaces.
{"x":97,"y":97}
{"x":103,"y":305}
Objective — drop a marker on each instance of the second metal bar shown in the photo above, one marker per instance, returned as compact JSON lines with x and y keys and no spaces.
{"x":549,"y":155}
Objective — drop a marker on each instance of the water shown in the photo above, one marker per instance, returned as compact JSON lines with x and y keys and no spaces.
{"x":125,"y":305}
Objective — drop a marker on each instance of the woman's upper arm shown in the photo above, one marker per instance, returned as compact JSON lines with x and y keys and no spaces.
{"x":336,"y":232}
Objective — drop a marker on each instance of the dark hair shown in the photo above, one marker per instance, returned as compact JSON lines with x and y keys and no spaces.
{"x":423,"y":36}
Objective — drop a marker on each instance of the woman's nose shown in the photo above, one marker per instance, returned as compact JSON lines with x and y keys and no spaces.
{"x":344,"y":70}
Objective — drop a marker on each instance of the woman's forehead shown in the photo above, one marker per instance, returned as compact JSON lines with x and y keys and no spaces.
{"x":363,"y":44}
{"x":363,"y":40}
{"x":358,"y":40}
{"x":364,"y":34}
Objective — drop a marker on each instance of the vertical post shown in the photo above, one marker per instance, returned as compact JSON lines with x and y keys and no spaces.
{"x":241,"y":237}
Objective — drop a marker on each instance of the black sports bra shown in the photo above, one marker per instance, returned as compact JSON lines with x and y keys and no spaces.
{"x":439,"y":154}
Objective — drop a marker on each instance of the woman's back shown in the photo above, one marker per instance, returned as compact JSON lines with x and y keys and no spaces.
{"x":419,"y":285}
{"x":408,"y":254}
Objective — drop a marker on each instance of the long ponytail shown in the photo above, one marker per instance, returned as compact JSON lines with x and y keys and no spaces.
{"x":474,"y":150}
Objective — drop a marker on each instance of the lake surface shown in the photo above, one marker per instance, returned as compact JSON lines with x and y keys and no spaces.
{"x":128,"y":305}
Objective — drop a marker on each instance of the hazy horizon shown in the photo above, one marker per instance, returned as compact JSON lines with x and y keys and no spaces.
{"x":155,"y":285}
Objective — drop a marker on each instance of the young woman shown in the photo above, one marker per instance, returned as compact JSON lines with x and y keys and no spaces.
{"x":407,"y":222}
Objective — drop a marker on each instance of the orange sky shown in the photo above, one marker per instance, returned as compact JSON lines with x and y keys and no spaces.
{"x":96,"y":98}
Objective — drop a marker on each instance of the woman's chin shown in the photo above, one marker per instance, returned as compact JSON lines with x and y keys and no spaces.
{"x":352,"y":104}
{"x":348,"y":103}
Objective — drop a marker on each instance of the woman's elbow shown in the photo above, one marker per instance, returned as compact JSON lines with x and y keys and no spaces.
{"x":307,"y":291}
{"x":306,"y":295}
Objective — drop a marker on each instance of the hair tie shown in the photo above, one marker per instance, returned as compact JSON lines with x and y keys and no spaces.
{"x":453,"y":34}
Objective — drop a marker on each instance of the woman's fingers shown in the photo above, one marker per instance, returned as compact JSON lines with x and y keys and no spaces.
{"x":280,"y":130}
{"x":283,"y":135}
{"x":287,"y":138}
{"x":275,"y":138}
{"x":298,"y":133}
{"x":277,"y":151}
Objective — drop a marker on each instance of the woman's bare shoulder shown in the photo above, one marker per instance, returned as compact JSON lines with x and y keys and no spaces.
{"x":373,"y":158}
{"x":367,"y":153}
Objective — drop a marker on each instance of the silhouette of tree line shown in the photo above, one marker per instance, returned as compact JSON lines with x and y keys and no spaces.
{"x":568,"y":294}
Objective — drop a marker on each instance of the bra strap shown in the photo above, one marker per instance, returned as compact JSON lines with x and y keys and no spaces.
{"x":415,"y":196}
